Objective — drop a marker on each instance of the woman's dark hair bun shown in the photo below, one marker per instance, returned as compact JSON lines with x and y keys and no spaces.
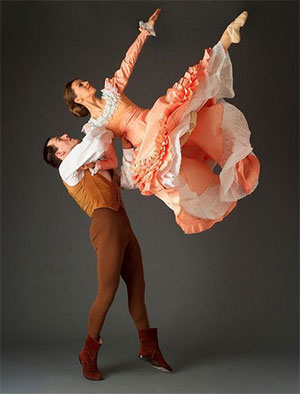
{"x":78,"y":110}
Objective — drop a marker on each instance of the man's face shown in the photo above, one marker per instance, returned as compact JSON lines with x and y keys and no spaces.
{"x":64,"y":145}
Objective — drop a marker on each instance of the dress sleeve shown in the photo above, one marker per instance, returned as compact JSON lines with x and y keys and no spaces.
{"x":121,"y":76}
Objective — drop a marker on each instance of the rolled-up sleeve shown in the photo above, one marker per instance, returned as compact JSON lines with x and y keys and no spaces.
{"x":88,"y":150}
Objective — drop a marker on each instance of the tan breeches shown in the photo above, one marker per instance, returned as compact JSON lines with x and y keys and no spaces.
{"x":118,"y":254}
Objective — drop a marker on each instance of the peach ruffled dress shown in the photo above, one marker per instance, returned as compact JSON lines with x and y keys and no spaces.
{"x":186,"y":133}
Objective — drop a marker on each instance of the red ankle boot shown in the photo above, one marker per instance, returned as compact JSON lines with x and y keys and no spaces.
{"x":88,"y":359}
{"x":149,"y":349}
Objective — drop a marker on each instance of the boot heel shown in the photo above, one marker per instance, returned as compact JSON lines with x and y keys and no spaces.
{"x":150,"y":351}
{"x":144,"y":358}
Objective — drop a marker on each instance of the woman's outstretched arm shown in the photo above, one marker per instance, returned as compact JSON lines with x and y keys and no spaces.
{"x":121,"y":76}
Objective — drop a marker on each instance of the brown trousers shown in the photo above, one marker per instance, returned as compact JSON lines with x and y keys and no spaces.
{"x":118,"y":254}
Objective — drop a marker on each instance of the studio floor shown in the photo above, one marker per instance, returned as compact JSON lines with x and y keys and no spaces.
{"x":46,"y":368}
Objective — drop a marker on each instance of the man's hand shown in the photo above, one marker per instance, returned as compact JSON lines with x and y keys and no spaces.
{"x":154,"y":16}
{"x":87,"y":166}
{"x":126,"y":144}
{"x":92,"y":164}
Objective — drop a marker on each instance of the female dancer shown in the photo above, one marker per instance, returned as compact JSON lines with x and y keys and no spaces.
{"x":183,"y":136}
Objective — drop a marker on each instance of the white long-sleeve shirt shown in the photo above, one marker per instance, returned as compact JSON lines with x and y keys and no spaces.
{"x":91,"y":149}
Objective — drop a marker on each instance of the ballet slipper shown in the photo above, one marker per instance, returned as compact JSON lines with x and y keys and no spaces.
{"x":234,"y":28}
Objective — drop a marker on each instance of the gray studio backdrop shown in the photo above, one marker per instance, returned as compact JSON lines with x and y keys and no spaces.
{"x":234,"y":286}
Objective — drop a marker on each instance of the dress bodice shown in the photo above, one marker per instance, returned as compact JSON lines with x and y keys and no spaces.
{"x":120,"y":115}
{"x":133,"y":121}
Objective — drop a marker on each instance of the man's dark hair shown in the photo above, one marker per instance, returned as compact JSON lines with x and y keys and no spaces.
{"x":49,"y":155}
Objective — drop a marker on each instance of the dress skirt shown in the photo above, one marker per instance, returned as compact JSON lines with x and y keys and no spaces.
{"x":189,"y":131}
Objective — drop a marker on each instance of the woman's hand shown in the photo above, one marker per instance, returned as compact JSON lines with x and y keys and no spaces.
{"x":154,"y":16}
{"x":126,"y":144}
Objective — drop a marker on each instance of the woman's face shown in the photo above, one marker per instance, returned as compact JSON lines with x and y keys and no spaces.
{"x":83,"y":90}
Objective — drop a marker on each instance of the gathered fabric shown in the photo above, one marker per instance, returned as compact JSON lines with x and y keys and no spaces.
{"x":214,"y":132}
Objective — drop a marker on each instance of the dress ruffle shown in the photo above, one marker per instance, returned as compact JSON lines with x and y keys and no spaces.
{"x":166,"y":166}
{"x":208,"y":80}
{"x":152,"y":160}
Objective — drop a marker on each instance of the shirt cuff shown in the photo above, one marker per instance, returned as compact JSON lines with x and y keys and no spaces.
{"x":94,"y":170}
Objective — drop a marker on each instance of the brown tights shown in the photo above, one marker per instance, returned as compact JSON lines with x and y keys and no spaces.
{"x":118,"y":254}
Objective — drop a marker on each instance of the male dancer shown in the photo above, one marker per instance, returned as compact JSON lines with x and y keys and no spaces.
{"x":117,"y":249}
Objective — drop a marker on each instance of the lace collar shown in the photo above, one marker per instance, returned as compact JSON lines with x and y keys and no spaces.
{"x":112,"y":99}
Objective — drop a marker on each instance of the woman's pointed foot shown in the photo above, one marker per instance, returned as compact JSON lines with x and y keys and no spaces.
{"x":234,"y":28}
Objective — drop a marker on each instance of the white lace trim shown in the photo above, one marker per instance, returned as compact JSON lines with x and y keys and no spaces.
{"x":236,"y":147}
{"x":207,"y":205}
{"x":218,"y":80}
{"x":218,"y":197}
{"x":94,"y":170}
{"x":112,"y":100}
{"x":147,"y":26}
